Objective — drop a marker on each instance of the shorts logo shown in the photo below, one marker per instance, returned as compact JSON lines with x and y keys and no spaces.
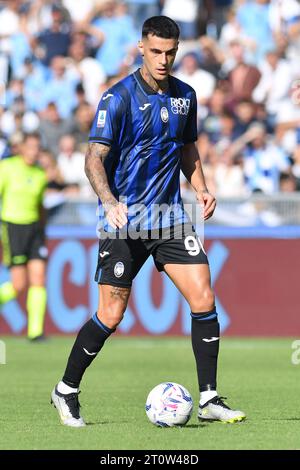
{"x":180,"y":105}
{"x":164,"y":114}
{"x":43,"y":252}
{"x":101,"y":118}
{"x":119,"y":269}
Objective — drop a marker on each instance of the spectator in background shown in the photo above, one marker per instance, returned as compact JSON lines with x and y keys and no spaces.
{"x":296,"y":162}
{"x":79,"y":10}
{"x":55,"y":180}
{"x":53,"y":41}
{"x":219,"y":9}
{"x":203,"y":82}
{"x":116,"y":37}
{"x":288,"y":119}
{"x":243,"y":78}
{"x":60,"y":88}
{"x":231,"y":30}
{"x":83,"y":119}
{"x":228,"y":172}
{"x":35,"y":83}
{"x":263,"y":161}
{"x":9,"y":25}
{"x":275,"y":82}
{"x":71,"y":165}
{"x":211,"y":56}
{"x":87,"y":70}
{"x":140,"y":10}
{"x":185,"y":14}
{"x":52,"y":128}
{"x":284,"y":21}
{"x":253,"y":18}
{"x":245,"y":116}
{"x":287,"y":183}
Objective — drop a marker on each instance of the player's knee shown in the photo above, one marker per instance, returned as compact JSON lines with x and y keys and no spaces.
{"x":20,"y":286}
{"x":111,"y":316}
{"x":204,"y":302}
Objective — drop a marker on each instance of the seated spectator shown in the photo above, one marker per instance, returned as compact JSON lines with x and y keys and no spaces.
{"x":243,"y":78}
{"x":71,"y":165}
{"x":203,"y":82}
{"x":83,"y":119}
{"x":185,"y":14}
{"x":287,"y":183}
{"x":53,"y":127}
{"x":60,"y":89}
{"x":245,"y":116}
{"x":87,"y":70}
{"x":253,"y":18}
{"x":117,"y":40}
{"x":262,"y":160}
{"x":211,"y":56}
{"x":140,"y":10}
{"x":228,"y":173}
{"x":54,"y":41}
{"x":274,"y":83}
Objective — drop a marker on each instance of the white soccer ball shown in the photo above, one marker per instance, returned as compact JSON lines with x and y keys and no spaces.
{"x":169,"y":404}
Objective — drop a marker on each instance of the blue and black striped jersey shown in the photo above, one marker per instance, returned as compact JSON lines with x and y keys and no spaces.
{"x":146,"y":131}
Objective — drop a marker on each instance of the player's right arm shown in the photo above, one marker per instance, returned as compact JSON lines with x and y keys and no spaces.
{"x":116,"y":212}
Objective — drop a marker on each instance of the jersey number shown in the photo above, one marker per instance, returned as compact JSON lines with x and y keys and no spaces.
{"x":192,"y":245}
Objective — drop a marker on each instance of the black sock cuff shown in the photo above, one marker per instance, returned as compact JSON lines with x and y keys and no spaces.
{"x":205,"y":316}
{"x":108,"y":331}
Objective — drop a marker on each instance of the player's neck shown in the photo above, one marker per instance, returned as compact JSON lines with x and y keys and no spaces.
{"x":158,"y":86}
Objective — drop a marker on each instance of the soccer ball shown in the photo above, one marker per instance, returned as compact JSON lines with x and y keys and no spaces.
{"x":169,"y":404}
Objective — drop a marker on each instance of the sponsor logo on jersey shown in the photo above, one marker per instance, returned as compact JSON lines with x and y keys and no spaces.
{"x":142,"y":108}
{"x":180,"y":105}
{"x":164,"y":114}
{"x":109,"y":95}
{"x":101,"y":118}
{"x":119,"y":269}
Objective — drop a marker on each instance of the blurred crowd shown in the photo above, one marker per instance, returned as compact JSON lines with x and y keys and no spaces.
{"x":241,"y":57}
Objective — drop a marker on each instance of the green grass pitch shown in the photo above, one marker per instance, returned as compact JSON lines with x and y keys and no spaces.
{"x":256,"y":375}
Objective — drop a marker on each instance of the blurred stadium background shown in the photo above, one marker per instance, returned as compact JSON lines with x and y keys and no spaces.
{"x":242,"y":58}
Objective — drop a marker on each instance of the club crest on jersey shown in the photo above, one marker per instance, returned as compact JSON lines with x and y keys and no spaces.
{"x":101,"y":118}
{"x":119,"y":269}
{"x":164,"y":114}
{"x":180,"y":105}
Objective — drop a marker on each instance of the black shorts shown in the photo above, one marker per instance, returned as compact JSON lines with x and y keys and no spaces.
{"x":119,"y":260}
{"x":22,"y":243}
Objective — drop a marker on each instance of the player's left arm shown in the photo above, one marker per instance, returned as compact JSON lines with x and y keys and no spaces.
{"x":192,"y":169}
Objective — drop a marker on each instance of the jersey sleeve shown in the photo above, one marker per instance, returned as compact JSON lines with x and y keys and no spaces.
{"x":108,"y":122}
{"x":190,"y":130}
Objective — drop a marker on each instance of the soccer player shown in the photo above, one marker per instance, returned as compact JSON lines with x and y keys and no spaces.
{"x":22,"y":185}
{"x":143,"y":134}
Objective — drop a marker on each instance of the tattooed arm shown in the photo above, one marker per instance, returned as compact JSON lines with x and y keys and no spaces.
{"x":95,"y":171}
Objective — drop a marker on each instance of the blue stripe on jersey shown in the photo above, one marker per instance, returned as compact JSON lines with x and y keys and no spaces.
{"x":146,"y":132}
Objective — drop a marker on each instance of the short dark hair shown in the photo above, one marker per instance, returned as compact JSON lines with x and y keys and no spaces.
{"x":161,"y":26}
{"x":31,"y":135}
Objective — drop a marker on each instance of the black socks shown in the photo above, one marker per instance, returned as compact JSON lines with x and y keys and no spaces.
{"x":205,"y":342}
{"x":89,"y":342}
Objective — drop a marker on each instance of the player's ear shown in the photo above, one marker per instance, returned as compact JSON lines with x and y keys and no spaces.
{"x":141,"y":48}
